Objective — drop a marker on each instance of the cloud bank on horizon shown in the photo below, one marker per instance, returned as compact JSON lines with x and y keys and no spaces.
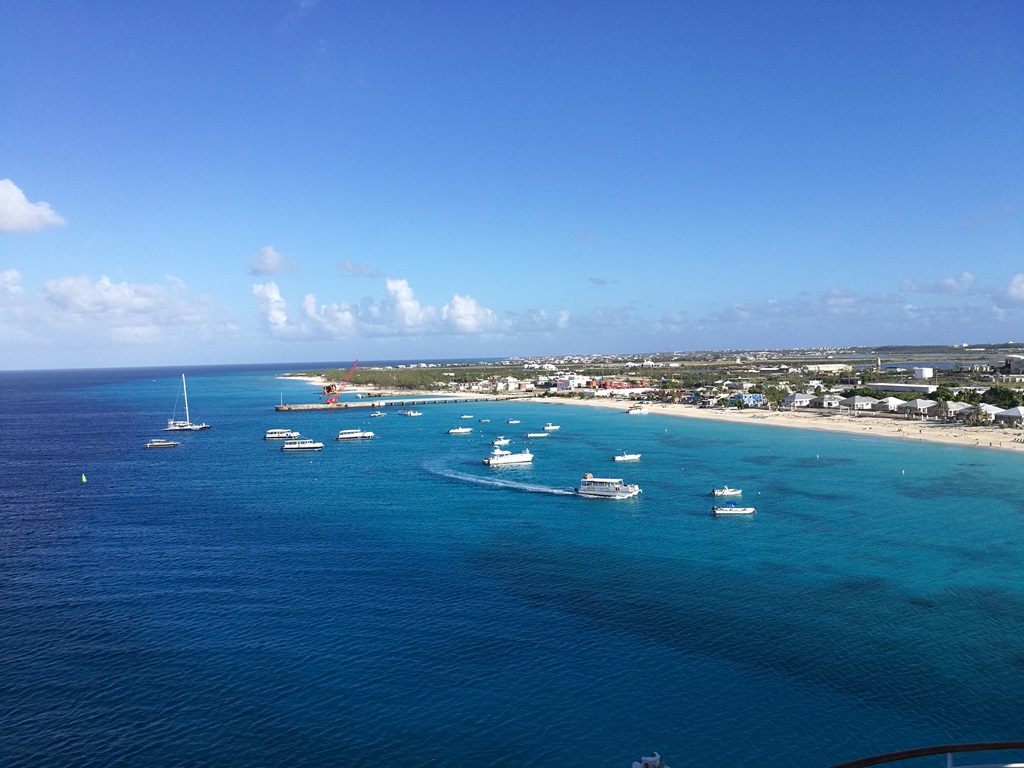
{"x":432,"y":185}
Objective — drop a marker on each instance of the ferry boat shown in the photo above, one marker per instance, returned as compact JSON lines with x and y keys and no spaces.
{"x":730,"y":509}
{"x":280,"y":434}
{"x":354,"y":434}
{"x":158,"y":442}
{"x":302,"y":445}
{"x":725,"y":490}
{"x":626,"y":457}
{"x":499,"y":457}
{"x":460,"y":431}
{"x":606,"y":488}
{"x":502,"y":440}
{"x":549,"y":427}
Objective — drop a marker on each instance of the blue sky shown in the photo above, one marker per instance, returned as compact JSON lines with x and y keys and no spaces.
{"x":195,"y":182}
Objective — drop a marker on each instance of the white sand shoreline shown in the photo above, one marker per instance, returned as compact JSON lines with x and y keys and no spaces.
{"x":906,"y":430}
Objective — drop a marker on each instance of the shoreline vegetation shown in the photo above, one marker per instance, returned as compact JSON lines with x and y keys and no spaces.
{"x":660,"y":386}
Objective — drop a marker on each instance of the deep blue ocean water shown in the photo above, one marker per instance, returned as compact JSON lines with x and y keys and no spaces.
{"x":397,"y":602}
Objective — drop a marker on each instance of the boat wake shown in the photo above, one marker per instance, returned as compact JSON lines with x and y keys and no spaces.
{"x":496,"y":482}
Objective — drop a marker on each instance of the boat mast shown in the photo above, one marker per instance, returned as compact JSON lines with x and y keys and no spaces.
{"x":185,"y":392}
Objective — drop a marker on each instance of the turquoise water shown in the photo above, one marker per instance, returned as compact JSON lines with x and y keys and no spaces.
{"x":224,"y":603}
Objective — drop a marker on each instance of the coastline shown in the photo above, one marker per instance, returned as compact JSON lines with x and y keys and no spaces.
{"x":905,"y":430}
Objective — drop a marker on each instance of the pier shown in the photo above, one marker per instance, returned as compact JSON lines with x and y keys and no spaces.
{"x":404,"y":403}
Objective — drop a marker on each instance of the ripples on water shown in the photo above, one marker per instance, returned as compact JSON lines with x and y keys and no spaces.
{"x":396,"y":600}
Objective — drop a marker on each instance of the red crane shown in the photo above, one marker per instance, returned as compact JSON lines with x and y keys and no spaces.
{"x":334,"y":390}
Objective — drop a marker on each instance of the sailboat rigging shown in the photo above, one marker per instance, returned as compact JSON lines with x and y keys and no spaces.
{"x":176,"y":425}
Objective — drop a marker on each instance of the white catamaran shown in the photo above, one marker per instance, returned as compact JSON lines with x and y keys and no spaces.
{"x":176,"y":425}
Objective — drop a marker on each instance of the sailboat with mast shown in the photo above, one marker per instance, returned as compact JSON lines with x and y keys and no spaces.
{"x":176,"y":425}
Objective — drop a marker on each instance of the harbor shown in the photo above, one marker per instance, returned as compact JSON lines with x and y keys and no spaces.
{"x":404,"y":403}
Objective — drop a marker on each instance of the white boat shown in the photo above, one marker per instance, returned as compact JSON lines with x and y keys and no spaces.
{"x":635,"y":409}
{"x":499,"y":457}
{"x":460,"y":431}
{"x":301,"y":445}
{"x":161,"y":443}
{"x":484,"y":421}
{"x":626,"y":457}
{"x":354,"y":434}
{"x":176,"y":425}
{"x":549,"y":427}
{"x":502,"y":440}
{"x":725,"y":490}
{"x":280,"y":434}
{"x":378,"y":413}
{"x":410,"y":413}
{"x":538,"y":434}
{"x":654,"y":761}
{"x":466,"y":416}
{"x":513,"y":421}
{"x":729,"y":509}
{"x":606,"y":488}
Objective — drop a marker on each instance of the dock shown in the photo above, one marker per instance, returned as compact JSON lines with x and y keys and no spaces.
{"x":404,"y":403}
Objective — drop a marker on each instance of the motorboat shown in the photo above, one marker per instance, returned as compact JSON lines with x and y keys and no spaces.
{"x":626,"y":457}
{"x":514,"y":421}
{"x":280,"y":434}
{"x":654,"y":761}
{"x":377,"y":413}
{"x":499,"y":457}
{"x":302,"y":445}
{"x":177,"y":425}
{"x":637,"y":409}
{"x":161,"y":443}
{"x":410,"y":413}
{"x":460,"y":431}
{"x":731,"y":509}
{"x":606,"y":488}
{"x":549,"y":427}
{"x":538,"y":434}
{"x":725,"y":490}
{"x":466,"y":416}
{"x":502,"y":440}
{"x":484,"y":421}
{"x":354,"y":434}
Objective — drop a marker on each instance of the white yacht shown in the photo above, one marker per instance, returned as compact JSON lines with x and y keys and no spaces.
{"x":626,"y":457}
{"x":729,"y":509}
{"x":635,"y":409}
{"x":606,"y":488}
{"x":354,"y":434}
{"x":549,"y":427}
{"x":502,"y":440}
{"x":177,"y":425}
{"x":499,"y":457}
{"x":725,"y":490}
{"x":302,"y":445}
{"x":280,"y":434}
{"x":157,"y":442}
{"x":460,"y":431}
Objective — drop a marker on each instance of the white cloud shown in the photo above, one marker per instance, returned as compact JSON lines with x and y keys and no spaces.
{"x":266,"y":261}
{"x":272,"y":305}
{"x":957,"y":285}
{"x":81,"y":296}
{"x":1015,"y":290}
{"x":405,"y":311}
{"x":10,"y":282}
{"x":358,"y":270}
{"x":17,"y":214}
{"x":465,"y":315}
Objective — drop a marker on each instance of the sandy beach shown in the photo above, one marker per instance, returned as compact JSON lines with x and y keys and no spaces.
{"x":896,"y":428}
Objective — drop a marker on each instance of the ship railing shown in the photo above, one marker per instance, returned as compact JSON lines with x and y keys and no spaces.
{"x":946,"y":749}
